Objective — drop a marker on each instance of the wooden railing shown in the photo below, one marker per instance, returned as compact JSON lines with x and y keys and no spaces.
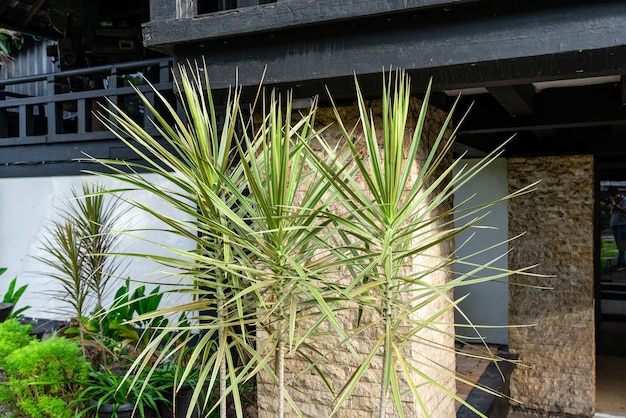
{"x":65,"y":112}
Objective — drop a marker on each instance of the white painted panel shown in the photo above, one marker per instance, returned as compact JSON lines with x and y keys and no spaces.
{"x":26,"y":205}
{"x":487,"y":303}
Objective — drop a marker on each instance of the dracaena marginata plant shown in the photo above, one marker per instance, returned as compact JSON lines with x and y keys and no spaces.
{"x":190,"y":161}
{"x":254,"y":202}
{"x":256,"y":195}
{"x":399,"y":200}
{"x":79,"y":249}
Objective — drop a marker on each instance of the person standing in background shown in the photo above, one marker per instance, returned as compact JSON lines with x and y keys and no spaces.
{"x":618,"y":225}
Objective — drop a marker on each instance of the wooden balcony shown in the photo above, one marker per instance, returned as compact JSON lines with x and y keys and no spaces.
{"x":60,"y":126}
{"x":64,"y":112}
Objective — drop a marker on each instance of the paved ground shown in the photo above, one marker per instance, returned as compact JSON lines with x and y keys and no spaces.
{"x":611,"y":386}
{"x":471,"y":368}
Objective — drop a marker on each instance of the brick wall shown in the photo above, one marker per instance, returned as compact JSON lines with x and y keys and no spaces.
{"x":557,"y":375}
{"x":308,"y":391}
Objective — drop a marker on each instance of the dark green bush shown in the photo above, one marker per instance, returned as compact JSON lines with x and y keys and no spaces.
{"x":13,"y":335}
{"x":44,"y":378}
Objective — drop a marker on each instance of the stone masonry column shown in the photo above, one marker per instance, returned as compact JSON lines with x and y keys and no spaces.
{"x":308,"y":390}
{"x":557,"y":353}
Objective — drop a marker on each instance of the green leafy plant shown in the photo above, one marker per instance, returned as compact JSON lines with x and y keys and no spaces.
{"x":79,"y":248}
{"x":115,"y":326}
{"x":191,"y":182}
{"x":10,"y":41}
{"x":398,"y":218}
{"x":104,"y":387}
{"x":13,"y":296}
{"x":290,"y":233}
{"x":276,"y":212}
{"x":243,"y":226}
{"x":44,"y":378}
{"x":13,"y":335}
{"x":134,"y":303}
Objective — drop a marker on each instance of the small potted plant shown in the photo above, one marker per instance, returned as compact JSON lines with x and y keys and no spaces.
{"x":111,"y":395}
{"x":177,"y":395}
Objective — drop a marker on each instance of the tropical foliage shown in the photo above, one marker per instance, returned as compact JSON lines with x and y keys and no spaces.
{"x":10,"y":41}
{"x":293,"y":234}
{"x":13,"y":296}
{"x":78,"y":250}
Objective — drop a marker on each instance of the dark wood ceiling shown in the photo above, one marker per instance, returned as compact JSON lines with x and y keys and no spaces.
{"x":57,"y":18}
{"x":27,"y":16}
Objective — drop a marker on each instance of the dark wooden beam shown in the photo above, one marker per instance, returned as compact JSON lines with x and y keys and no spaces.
{"x":572,"y":41}
{"x":160,"y":34}
{"x":247,"y":3}
{"x":556,"y":108}
{"x":32,"y":11}
{"x":516,"y":100}
{"x":544,"y":126}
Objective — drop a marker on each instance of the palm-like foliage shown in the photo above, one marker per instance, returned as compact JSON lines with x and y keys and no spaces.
{"x":257,"y":205}
{"x":64,"y":248}
{"x":99,"y":218}
{"x":287,"y":201}
{"x":257,"y":229}
{"x":400,"y":214}
{"x":78,"y":248}
{"x":191,"y":163}
{"x":10,"y":41}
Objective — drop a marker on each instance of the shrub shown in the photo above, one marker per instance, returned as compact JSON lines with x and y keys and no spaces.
{"x":43,"y":378}
{"x":13,"y":335}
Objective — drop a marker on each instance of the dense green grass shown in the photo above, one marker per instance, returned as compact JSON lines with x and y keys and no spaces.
{"x":608,"y":251}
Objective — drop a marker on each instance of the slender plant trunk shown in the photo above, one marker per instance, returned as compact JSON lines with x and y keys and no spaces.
{"x":81,"y":333}
{"x":223,"y":337}
{"x":385,"y":372}
{"x":103,"y":352}
{"x":223,"y":318}
{"x":386,"y":351}
{"x":281,"y":378}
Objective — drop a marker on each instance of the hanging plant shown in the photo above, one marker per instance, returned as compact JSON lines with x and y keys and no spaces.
{"x":10,"y":42}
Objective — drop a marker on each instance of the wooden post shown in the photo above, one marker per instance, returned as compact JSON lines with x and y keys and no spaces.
{"x":165,"y":72}
{"x":186,"y":9}
{"x":113,"y":84}
{"x":53,"y":112}
{"x":4,"y":129}
{"x":83,"y":108}
{"x":26,"y":121}
{"x":145,"y":116}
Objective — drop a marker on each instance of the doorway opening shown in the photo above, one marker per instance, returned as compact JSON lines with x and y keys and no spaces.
{"x":610,"y":297}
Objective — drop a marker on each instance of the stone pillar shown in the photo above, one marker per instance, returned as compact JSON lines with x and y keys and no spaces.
{"x":308,"y":390}
{"x":557,"y":350}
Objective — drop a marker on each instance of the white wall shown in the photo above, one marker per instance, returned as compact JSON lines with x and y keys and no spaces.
{"x":487,"y":303}
{"x":26,"y":204}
